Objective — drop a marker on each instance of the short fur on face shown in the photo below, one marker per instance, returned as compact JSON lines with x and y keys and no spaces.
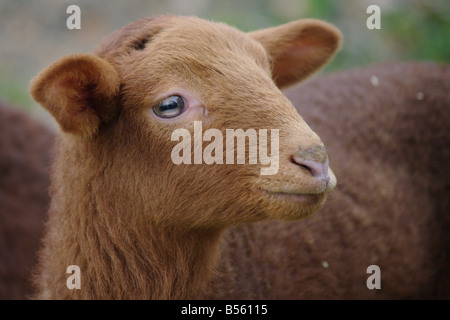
{"x":231,"y":76}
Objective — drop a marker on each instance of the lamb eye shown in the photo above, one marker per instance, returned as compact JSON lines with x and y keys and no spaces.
{"x":170,"y":107}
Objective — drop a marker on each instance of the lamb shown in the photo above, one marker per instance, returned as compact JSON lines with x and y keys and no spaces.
{"x":137,"y":225}
{"x":141,"y":227}
{"x":24,"y":180}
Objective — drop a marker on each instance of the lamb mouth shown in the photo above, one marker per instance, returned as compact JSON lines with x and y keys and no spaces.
{"x":301,"y":198}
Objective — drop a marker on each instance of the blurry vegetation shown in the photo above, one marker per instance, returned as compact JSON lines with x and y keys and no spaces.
{"x":33,"y":33}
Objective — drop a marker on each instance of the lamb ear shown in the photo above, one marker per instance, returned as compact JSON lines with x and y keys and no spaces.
{"x":80,"y":91}
{"x":298,"y":48}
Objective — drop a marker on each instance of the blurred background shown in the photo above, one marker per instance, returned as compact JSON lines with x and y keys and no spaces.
{"x":33,"y":34}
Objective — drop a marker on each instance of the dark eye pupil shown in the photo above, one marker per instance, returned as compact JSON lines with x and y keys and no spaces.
{"x":170,"y":103}
{"x":170,"y":107}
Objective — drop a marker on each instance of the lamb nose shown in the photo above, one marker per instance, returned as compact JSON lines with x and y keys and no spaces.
{"x":317,"y":169}
{"x":315,"y":159}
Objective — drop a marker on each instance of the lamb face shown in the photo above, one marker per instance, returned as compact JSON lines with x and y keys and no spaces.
{"x":169,"y":73}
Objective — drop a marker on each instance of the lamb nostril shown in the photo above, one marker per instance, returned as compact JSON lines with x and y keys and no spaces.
{"x":317,"y":169}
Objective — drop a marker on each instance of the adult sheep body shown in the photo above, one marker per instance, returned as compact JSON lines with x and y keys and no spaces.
{"x":25,"y":148}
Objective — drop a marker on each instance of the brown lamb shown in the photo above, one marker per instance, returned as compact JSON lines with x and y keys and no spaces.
{"x":25,"y":148}
{"x":139,"y":226}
